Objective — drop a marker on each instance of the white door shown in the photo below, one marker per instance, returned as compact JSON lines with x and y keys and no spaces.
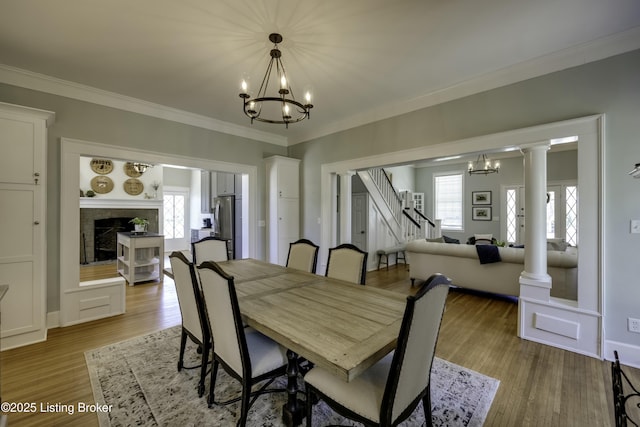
{"x":176,"y":210}
{"x":22,"y":216}
{"x":359,"y":220}
{"x":562,"y":213}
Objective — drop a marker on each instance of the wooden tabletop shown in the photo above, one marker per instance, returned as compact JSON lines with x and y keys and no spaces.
{"x":342,"y":327}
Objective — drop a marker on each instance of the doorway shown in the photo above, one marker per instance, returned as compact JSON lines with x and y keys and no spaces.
{"x":359,"y":220}
{"x":175,"y":205}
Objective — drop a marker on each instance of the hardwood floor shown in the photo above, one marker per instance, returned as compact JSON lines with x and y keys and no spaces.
{"x":539,"y":385}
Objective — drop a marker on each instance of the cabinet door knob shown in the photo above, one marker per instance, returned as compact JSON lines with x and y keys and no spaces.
{"x":36,"y":222}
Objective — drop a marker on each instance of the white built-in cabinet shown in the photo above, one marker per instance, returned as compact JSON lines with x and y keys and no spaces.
{"x":23,"y":180}
{"x":283,"y":206}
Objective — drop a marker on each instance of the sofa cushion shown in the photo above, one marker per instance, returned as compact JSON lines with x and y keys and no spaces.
{"x":436,"y":240}
{"x":448,"y":239}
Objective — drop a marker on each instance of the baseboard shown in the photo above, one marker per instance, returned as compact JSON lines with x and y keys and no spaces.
{"x":53,"y":319}
{"x":629,"y":354}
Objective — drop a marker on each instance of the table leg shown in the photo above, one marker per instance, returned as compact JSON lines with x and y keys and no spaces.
{"x":294,"y":410}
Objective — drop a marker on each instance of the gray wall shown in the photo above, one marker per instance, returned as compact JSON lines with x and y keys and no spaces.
{"x":610,"y":86}
{"x":176,"y":177}
{"x":95,"y":123}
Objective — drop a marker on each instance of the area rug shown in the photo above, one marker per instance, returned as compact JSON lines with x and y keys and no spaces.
{"x":139,"y":379}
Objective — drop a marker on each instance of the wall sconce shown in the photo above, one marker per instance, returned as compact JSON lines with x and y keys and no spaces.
{"x":141,"y":167}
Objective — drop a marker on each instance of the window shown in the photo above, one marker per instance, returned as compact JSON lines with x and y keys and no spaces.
{"x":561,"y":215}
{"x":174,"y":216}
{"x":448,"y":200}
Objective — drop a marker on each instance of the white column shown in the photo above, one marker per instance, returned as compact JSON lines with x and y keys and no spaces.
{"x":534,"y":280}
{"x":345,"y":206}
{"x":334,"y":210}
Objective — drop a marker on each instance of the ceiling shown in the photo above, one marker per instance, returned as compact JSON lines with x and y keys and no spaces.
{"x":365,"y":59}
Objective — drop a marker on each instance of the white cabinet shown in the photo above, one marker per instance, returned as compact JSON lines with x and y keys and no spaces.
{"x":205,"y":192}
{"x":23,"y":137}
{"x":140,"y":257}
{"x":226,"y":183}
{"x":283,"y":206}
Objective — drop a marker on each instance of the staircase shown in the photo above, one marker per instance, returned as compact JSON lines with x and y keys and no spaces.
{"x":397,"y":210}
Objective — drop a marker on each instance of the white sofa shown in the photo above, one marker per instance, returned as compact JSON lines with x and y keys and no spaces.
{"x":461,"y":264}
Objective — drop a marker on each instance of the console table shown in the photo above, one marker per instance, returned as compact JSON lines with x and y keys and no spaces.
{"x":140,"y":257}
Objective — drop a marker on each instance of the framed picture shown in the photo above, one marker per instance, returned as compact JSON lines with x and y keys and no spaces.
{"x":481,"y":214}
{"x":481,"y":197}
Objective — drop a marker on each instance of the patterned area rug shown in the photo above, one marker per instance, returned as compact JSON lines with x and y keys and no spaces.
{"x":139,"y":378}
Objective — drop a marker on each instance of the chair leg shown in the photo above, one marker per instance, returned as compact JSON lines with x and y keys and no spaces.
{"x":426,"y":406}
{"x":203,"y":369}
{"x":212,"y":383}
{"x":244,"y":409}
{"x":309,"y":405}
{"x":183,"y":344}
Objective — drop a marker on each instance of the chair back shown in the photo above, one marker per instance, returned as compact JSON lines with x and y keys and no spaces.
{"x":221,"y":304}
{"x":303,"y":255}
{"x":347,"y":262}
{"x":410,"y":369}
{"x":189,"y":297}
{"x":622,"y":401}
{"x":209,"y":249}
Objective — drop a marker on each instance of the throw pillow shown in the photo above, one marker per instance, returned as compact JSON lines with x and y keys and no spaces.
{"x":448,"y":239}
{"x":557,"y":245}
{"x":436,"y":240}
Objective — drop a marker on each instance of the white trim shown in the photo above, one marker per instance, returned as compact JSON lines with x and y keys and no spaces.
{"x":71,"y":151}
{"x":571,"y":57}
{"x":97,"y":203}
{"x":628,"y":354}
{"x":590,"y":133}
{"x":30,"y":80}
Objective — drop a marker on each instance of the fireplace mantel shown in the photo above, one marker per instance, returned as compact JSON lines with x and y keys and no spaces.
{"x":96,"y":203}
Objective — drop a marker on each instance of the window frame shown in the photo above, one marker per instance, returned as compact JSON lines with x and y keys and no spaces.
{"x":435,"y":177}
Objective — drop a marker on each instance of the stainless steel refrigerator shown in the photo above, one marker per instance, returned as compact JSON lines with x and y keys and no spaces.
{"x":224,"y":221}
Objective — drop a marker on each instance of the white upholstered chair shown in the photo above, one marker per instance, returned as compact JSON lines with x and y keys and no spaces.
{"x":194,"y":321}
{"x":347,"y":262}
{"x":388,"y":392}
{"x":244,"y":353}
{"x":303,"y":255}
{"x":209,"y":249}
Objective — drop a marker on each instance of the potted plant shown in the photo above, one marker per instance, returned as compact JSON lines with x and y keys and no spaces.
{"x":140,"y":224}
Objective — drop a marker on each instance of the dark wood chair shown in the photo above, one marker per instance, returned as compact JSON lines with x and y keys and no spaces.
{"x":244,"y":353}
{"x":303,"y":255}
{"x":388,"y":392}
{"x":622,"y":401}
{"x":209,"y":249}
{"x":347,"y":262}
{"x":194,"y":321}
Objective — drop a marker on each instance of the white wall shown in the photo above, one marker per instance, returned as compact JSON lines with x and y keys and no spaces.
{"x":118,"y":177}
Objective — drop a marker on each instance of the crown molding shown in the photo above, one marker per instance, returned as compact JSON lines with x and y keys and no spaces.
{"x":571,"y":57}
{"x":584,"y":53}
{"x":43,"y":83}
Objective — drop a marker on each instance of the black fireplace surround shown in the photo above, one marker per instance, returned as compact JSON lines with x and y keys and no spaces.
{"x":99,"y":228}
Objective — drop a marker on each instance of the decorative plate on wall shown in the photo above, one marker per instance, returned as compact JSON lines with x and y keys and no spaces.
{"x":101,"y":184}
{"x":130,"y":170}
{"x":133,"y":186}
{"x":101,"y":166}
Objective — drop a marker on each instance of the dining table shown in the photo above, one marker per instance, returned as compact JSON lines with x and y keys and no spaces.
{"x":342,"y":327}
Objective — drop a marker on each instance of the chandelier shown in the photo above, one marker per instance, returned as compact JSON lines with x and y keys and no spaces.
{"x":483,"y":166}
{"x":281,"y":108}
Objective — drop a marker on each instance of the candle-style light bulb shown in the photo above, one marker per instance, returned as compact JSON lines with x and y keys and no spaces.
{"x":283,"y":82}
